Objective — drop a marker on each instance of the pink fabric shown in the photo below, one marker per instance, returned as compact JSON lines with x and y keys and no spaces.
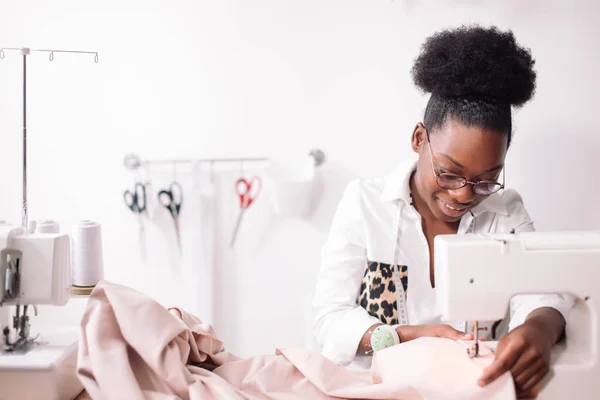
{"x":131,"y":347}
{"x":440,"y":366}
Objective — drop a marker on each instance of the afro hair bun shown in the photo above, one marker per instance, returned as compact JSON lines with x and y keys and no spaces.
{"x":475,"y":61}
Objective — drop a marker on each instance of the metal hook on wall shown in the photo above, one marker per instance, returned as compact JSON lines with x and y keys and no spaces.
{"x":318,"y":156}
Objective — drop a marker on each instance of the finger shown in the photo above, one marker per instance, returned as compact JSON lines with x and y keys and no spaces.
{"x":527,"y":396}
{"x":449,"y":332}
{"x":525,"y":361}
{"x":523,"y":376}
{"x":504,"y":362}
{"x":534,"y":381}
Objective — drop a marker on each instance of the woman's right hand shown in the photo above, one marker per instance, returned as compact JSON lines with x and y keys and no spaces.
{"x":410,"y":332}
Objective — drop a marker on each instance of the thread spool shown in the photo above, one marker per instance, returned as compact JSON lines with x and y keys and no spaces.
{"x":47,"y":226}
{"x":86,"y":256}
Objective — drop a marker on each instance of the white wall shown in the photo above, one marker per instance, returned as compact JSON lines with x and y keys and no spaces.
{"x":266,"y":78}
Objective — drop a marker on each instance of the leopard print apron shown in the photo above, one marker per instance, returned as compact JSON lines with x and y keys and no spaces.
{"x":379,"y":292}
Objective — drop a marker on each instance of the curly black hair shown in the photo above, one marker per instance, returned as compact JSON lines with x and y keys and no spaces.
{"x":474,"y":75}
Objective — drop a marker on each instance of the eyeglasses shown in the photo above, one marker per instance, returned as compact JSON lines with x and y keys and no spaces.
{"x":454,"y":182}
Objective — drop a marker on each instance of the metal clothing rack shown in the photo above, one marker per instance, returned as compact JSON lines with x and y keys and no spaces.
{"x":25,"y":52}
{"x":133,"y":161}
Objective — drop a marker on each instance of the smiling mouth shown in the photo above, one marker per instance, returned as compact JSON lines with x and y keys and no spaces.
{"x":453,"y":207}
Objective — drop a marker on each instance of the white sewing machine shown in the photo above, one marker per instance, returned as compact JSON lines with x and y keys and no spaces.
{"x":478,"y":274}
{"x":35,"y":270}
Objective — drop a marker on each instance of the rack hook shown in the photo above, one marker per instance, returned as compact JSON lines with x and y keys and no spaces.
{"x":51,"y":55}
{"x":132,"y":161}
{"x":1,"y":54}
{"x":96,"y":58}
{"x":318,"y":156}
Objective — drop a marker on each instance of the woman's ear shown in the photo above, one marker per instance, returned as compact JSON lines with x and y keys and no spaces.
{"x":418,"y":138}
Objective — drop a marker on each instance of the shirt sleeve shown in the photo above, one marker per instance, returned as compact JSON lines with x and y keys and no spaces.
{"x":339,"y":321}
{"x":522,"y":305}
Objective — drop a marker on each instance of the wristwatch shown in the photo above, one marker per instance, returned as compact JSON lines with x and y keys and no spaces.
{"x":384,"y":336}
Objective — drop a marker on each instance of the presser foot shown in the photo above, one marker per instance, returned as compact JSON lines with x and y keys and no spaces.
{"x":21,"y":326}
{"x":473,"y":351}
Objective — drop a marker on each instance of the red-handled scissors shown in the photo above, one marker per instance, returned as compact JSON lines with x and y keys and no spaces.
{"x":247,"y":191}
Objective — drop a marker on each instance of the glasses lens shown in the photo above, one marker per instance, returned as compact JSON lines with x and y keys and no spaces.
{"x":448,"y":181}
{"x":486,"y":188}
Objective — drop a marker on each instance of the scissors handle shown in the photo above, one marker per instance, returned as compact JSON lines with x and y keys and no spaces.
{"x":165,"y":198}
{"x":136,"y":200}
{"x":140,"y":196}
{"x":129,"y":200}
{"x":244,"y":188}
{"x":168,"y":199}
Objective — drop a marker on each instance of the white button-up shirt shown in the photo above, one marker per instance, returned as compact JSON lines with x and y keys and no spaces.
{"x":363,"y":229}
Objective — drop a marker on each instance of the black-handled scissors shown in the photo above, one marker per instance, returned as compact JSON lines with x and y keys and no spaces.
{"x":136,"y":199}
{"x":172,"y":199}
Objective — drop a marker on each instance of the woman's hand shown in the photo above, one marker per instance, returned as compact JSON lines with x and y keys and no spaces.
{"x":411,"y":332}
{"x":525,"y":352}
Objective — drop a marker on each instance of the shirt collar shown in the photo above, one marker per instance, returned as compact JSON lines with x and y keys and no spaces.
{"x":397,"y":183}
{"x":397,"y":187}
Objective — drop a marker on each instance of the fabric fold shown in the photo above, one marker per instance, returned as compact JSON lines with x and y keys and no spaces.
{"x":131,"y":347}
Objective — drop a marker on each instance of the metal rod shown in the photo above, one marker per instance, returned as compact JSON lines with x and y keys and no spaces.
{"x":133,"y":161}
{"x":25,"y":51}
{"x":24,"y":216}
{"x":66,"y":51}
{"x":206,"y":160}
{"x":48,"y":51}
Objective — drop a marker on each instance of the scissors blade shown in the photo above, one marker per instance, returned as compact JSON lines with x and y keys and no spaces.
{"x":237,"y":227}
{"x":177,"y":234}
{"x":142,"y":238}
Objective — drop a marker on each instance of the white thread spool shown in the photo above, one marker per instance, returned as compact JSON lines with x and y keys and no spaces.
{"x":47,"y":226}
{"x":88,"y":263}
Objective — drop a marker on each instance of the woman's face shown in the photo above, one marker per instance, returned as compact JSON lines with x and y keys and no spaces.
{"x":472,"y":152}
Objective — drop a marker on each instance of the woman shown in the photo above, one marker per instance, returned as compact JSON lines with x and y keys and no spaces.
{"x":378,"y":260}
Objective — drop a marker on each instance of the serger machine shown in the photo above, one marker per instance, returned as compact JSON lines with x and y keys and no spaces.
{"x":35,"y":270}
{"x":478,"y":274}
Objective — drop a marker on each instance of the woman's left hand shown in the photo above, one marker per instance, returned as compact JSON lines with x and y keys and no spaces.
{"x":525,"y":352}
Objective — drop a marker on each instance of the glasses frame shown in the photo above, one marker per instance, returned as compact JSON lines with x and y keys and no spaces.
{"x":462,"y":178}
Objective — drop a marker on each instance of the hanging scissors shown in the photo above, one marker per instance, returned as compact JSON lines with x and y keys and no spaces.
{"x":172,"y":199}
{"x":244,"y":189}
{"x":136,"y":201}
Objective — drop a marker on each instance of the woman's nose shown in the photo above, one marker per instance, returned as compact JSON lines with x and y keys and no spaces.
{"x":464,"y":195}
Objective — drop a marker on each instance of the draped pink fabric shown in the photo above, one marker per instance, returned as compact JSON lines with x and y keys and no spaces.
{"x":131,"y":347}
